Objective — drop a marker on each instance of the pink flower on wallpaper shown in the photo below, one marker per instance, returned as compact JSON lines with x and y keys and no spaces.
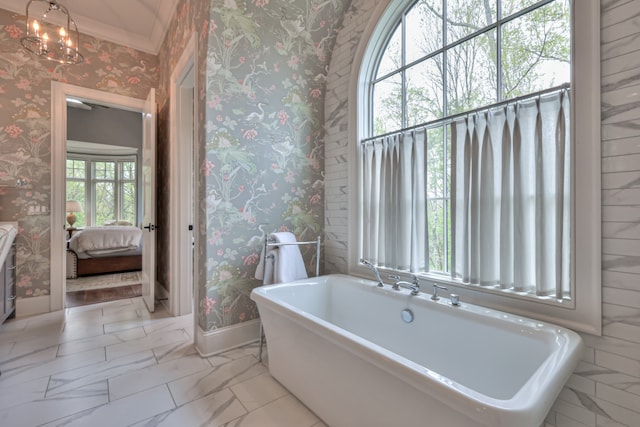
{"x":14,"y":31}
{"x":133,"y":80}
{"x":215,"y":237}
{"x":251,"y":259}
{"x":13,"y":130}
{"x":242,"y":59}
{"x":23,"y":84}
{"x":260,"y":3}
{"x":290,"y":177}
{"x":207,"y":305}
{"x":249,"y":134}
{"x":315,"y":93}
{"x":243,"y":315}
{"x":293,"y":61}
{"x":283,"y":117}
{"x":207,"y":167}
{"x":241,"y":188}
{"x":315,"y":199}
{"x":105,"y":57}
{"x":215,"y":101}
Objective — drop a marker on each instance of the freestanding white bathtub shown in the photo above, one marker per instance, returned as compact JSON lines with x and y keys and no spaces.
{"x":339,"y":344}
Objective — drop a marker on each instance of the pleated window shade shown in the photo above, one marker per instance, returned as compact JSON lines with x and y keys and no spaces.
{"x":510,"y":197}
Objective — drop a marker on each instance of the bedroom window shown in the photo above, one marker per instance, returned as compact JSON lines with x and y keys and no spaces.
{"x":468,"y":172}
{"x":107,"y":188}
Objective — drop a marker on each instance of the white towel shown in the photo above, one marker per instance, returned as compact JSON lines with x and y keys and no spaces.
{"x":287,"y":264}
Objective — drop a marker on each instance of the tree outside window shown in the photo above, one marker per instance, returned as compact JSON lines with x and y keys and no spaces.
{"x":450,"y":57}
{"x":106,"y":188}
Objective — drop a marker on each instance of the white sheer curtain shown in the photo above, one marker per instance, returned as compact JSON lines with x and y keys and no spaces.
{"x":511,"y":196}
{"x":395,"y":201}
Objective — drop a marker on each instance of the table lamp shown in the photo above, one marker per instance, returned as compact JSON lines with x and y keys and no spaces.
{"x":72,"y":207}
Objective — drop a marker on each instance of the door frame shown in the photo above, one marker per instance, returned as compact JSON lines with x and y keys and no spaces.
{"x":183,"y":113}
{"x":59,"y":93}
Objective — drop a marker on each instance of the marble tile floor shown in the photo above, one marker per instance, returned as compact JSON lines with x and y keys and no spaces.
{"x":115,"y":364}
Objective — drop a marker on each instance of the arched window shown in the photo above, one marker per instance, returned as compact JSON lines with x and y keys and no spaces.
{"x":468,"y":161}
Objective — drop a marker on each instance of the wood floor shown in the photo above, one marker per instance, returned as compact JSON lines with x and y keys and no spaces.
{"x":75,"y":299}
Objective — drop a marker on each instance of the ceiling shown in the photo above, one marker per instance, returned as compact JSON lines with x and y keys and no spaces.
{"x":140,"y":24}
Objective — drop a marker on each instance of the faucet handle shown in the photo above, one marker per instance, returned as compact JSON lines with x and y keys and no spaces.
{"x":435,"y":296}
{"x":455,"y":300}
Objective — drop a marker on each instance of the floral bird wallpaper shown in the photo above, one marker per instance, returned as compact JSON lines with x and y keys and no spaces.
{"x":262,"y":68}
{"x":25,"y":132}
{"x":262,"y":166}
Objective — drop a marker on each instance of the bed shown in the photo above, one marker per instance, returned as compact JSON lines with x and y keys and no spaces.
{"x":108,"y":249}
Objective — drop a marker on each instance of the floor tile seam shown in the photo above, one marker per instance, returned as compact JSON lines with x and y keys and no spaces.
{"x":131,"y":342}
{"x":102,"y":371}
{"x":154,"y":385}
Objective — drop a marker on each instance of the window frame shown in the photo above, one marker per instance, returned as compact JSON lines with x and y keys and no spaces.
{"x":583,"y":312}
{"x":90,"y":183}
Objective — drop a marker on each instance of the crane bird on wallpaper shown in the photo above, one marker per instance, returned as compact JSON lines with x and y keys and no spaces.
{"x":256,"y":117}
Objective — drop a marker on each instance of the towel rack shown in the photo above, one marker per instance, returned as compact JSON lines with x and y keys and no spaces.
{"x":269,"y":242}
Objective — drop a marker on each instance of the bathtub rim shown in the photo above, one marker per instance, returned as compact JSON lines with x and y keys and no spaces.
{"x":546,"y":380}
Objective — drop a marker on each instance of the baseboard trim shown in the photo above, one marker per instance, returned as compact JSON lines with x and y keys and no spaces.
{"x":31,"y":306}
{"x":210,"y":343}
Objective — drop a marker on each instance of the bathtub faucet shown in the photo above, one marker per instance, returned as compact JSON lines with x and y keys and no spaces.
{"x":374,"y":269}
{"x":413,"y":287}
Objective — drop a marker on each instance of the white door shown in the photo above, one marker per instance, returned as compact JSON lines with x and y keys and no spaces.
{"x":149,"y":200}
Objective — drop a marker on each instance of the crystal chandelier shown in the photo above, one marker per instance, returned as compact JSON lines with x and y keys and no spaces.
{"x":51,"y":32}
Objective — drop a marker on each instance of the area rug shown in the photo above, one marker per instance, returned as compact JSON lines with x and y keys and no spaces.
{"x":104,"y":281}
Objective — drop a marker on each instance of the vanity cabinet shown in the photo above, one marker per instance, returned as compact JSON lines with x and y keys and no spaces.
{"x":8,"y":285}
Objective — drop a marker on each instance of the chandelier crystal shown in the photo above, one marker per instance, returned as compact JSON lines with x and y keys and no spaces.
{"x":51,"y":32}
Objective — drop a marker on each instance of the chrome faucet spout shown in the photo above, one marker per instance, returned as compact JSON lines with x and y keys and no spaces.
{"x":375,"y":271}
{"x":415,"y":289}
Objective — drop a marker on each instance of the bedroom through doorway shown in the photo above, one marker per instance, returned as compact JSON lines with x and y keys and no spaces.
{"x":103,"y":203}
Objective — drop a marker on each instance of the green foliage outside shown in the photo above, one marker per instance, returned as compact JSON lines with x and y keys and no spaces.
{"x":459,"y":66}
{"x":112,"y":186}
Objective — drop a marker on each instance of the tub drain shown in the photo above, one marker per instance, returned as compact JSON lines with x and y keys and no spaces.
{"x":407,"y":315}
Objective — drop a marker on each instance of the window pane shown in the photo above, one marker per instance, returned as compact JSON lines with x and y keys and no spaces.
{"x":437,"y":235}
{"x":465,"y":17}
{"x":536,"y":50}
{"x":105,"y":170}
{"x":392,"y":58}
{"x":128,"y":202}
{"x":128,"y":170}
{"x":387,"y":105}
{"x":424,"y":91}
{"x":423,"y":29}
{"x":471,"y":73}
{"x":105,"y":202}
{"x":509,"y":7}
{"x":75,"y":168}
{"x":436,"y":167}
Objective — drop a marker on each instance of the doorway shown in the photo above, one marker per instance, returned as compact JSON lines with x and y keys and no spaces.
{"x":183,"y":158}
{"x":60,"y":92}
{"x":103,"y":186}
